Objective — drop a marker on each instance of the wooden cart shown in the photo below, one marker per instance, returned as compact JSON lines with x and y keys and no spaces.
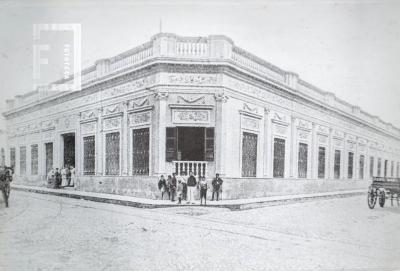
{"x":383,"y":188}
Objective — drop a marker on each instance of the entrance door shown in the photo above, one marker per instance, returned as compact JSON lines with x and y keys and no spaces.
{"x":49,"y":157}
{"x":140,"y":151}
{"x":249,"y":155}
{"x":69,"y":149}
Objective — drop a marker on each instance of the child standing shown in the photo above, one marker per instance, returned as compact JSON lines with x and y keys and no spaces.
{"x":179,"y":190}
{"x":203,"y":190}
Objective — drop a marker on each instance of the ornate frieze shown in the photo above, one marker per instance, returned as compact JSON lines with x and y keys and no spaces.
{"x":89,"y":115}
{"x":250,"y":109}
{"x":250,"y":123}
{"x":351,"y":146}
{"x":351,"y":138}
{"x":112,"y":123}
{"x":190,"y":116}
{"x":88,"y":127}
{"x":303,"y":124}
{"x":138,"y":103}
{"x":279,"y":117}
{"x":257,"y":92}
{"x":112,"y":109}
{"x":322,"y":130}
{"x":67,"y":122}
{"x":131,"y":86}
{"x":143,"y":118}
{"x":190,"y":100}
{"x":303,"y":134}
{"x":192,"y":79}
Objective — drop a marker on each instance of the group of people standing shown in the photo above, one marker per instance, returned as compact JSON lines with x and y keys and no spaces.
{"x":59,"y":178}
{"x":185,"y":189}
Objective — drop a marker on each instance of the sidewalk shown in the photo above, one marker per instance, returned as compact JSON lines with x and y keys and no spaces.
{"x":239,"y":204}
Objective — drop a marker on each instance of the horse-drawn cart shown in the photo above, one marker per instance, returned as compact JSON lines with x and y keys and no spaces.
{"x":383,"y":188}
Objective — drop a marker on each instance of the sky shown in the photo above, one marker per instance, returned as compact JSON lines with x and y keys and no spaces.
{"x":350,"y":48}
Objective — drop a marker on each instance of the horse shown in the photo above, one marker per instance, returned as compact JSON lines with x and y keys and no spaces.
{"x":5,"y":179}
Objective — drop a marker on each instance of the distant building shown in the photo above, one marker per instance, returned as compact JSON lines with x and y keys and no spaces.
{"x":201,"y":104}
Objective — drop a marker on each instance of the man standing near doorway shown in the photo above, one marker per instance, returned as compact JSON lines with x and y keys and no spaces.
{"x":217,"y":186}
{"x":191,"y":185}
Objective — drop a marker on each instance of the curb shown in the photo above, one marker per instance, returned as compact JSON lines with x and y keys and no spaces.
{"x":265,"y":202}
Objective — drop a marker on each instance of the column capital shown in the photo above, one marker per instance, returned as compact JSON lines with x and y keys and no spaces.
{"x":161,"y":95}
{"x":221,"y":97}
{"x":267,"y":110}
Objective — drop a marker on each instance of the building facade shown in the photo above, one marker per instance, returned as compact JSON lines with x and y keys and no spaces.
{"x":180,"y":104}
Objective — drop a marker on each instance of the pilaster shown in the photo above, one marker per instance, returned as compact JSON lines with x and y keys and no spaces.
{"x":161,"y":98}
{"x":220,"y":100}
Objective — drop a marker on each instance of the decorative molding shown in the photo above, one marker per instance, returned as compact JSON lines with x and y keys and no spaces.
{"x":133,"y":104}
{"x":112,"y":123}
{"x":140,"y":118}
{"x":190,"y":116}
{"x":280,"y":118}
{"x":131,"y":86}
{"x":112,"y":109}
{"x":322,"y":130}
{"x":250,"y":123}
{"x":246,"y":107}
{"x":201,"y":99}
{"x":192,"y":79}
{"x":304,"y":124}
{"x":303,"y":134}
{"x":280,"y":129}
{"x":161,"y":96}
{"x":221,"y":97}
{"x":88,"y":127}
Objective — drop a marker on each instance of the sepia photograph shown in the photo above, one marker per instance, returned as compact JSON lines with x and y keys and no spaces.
{"x":199,"y":135}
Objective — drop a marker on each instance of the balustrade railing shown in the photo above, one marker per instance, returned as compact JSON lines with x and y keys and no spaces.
{"x":192,"y":48}
{"x":199,"y":168}
{"x":251,"y":64}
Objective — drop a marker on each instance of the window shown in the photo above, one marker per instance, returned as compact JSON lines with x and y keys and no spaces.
{"x":22,"y":160}
{"x":392,"y":169}
{"x":379,"y":167}
{"x":321,"y":162}
{"x":189,"y":144}
{"x":209,"y":144}
{"x":34,"y":159}
{"x":350,"y":166}
{"x":140,"y":151}
{"x":12,"y":158}
{"x":336,"y":167}
{"x":89,"y":155}
{"x":112,"y":153}
{"x":2,"y":157}
{"x":386,"y":168}
{"x":302,"y":163}
{"x":49,"y":156}
{"x":279,"y":158}
{"x":249,"y":155}
{"x":361,"y":172}
{"x":371,"y":166}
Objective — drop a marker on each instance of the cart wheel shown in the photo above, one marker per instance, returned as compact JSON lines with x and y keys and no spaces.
{"x":382,"y":198}
{"x":371,"y":199}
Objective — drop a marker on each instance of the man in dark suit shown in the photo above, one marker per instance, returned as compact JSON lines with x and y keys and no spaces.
{"x":217,"y":186}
